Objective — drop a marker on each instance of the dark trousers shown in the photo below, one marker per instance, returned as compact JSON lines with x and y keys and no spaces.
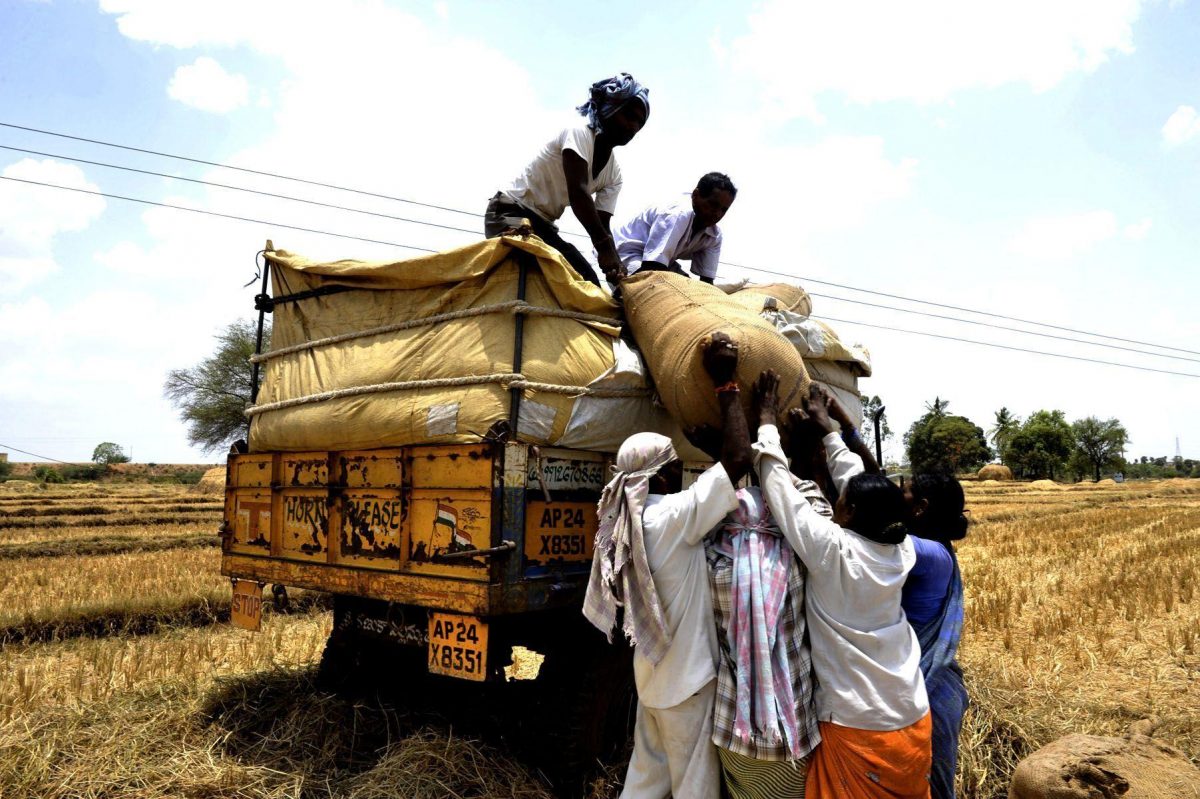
{"x":503,"y":213}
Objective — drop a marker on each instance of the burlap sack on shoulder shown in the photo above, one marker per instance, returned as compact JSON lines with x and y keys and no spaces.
{"x":670,"y":316}
{"x":1095,"y":767}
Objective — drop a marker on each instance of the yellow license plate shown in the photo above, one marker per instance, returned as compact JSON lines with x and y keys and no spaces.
{"x":247,"y":607}
{"x":559,"y":531}
{"x":458,"y":646}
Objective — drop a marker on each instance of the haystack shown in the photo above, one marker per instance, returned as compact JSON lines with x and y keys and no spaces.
{"x":1091,"y":766}
{"x":1046,"y":484}
{"x":995,"y":471}
{"x":213,"y":481}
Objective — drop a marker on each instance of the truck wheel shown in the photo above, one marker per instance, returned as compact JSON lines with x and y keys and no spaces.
{"x":592,"y":693}
{"x":357,"y":664}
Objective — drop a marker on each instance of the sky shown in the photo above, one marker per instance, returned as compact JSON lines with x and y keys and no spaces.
{"x":1037,"y":159}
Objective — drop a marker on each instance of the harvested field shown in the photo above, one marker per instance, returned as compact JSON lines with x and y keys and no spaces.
{"x":118,"y":677}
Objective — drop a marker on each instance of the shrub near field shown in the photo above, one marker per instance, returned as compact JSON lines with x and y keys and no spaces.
{"x":1082,"y":615}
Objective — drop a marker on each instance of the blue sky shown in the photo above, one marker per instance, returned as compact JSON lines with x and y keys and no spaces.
{"x":1034,"y":159}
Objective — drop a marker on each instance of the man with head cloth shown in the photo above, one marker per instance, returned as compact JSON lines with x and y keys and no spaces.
{"x":577,"y":168}
{"x":649,"y":559}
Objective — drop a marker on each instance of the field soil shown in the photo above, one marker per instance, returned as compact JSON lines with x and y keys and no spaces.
{"x":121,"y":677}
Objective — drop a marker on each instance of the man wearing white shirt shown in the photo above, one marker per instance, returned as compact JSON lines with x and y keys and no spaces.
{"x":650,"y":562}
{"x":577,"y":169}
{"x":661,"y":236}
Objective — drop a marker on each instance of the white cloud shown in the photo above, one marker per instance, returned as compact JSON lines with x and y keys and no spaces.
{"x":205,"y":84}
{"x":1058,"y":238}
{"x":1182,"y":126}
{"x":1138,"y":230}
{"x":31,"y":217}
{"x":880,"y":50}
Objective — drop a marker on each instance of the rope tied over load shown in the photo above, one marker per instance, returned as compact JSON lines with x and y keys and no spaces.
{"x":511,"y":306}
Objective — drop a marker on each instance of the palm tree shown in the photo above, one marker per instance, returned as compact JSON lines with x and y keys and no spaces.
{"x":937,"y":407}
{"x":1006,"y":424}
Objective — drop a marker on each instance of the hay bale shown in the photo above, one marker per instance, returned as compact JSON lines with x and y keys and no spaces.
{"x":1106,"y":482}
{"x":995,"y":472}
{"x":1095,"y":767}
{"x":1046,"y":484}
{"x":213,"y":481}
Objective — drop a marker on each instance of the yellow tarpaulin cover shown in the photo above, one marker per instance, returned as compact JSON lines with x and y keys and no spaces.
{"x":336,"y":386}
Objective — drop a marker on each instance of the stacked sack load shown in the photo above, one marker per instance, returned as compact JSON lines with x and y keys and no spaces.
{"x":671,"y":315}
{"x":422,"y":351}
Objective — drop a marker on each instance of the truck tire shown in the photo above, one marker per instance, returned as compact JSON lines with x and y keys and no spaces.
{"x":591,"y":693}
{"x":355,"y":664}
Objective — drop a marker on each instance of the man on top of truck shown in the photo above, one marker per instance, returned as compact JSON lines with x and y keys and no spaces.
{"x":662,"y":235}
{"x":572,"y":167}
{"x":650,"y":560}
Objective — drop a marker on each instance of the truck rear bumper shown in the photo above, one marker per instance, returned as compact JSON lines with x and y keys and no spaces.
{"x":460,"y":596}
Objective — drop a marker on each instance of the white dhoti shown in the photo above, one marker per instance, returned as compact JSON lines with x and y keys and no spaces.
{"x":673,"y":752}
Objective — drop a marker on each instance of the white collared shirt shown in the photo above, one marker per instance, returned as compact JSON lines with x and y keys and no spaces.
{"x":673,"y":527}
{"x":865,"y":654}
{"x":664,"y":234}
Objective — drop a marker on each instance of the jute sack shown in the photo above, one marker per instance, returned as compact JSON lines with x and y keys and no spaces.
{"x":670,"y":315}
{"x":1094,"y":767}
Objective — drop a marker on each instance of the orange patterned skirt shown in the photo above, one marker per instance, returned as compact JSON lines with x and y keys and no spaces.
{"x":868,"y":764}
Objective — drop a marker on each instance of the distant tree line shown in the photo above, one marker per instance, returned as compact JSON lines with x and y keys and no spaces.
{"x":1044,"y":445}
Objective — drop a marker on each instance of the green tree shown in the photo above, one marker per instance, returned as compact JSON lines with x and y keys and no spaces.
{"x":1006,"y":424}
{"x":109,"y":453}
{"x":5,"y":469}
{"x":1100,"y":444}
{"x":871,"y":406}
{"x":213,"y":395}
{"x":1041,"y":446}
{"x":938,"y":442}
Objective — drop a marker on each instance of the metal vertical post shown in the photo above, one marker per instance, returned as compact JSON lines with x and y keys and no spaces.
{"x":514,"y":407}
{"x":260,"y":303}
{"x":879,"y":438}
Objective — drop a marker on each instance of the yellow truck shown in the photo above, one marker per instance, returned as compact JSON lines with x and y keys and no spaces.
{"x":428,"y":446}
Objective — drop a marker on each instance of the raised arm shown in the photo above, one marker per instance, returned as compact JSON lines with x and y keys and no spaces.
{"x":720,"y":357}
{"x":575,"y":169}
{"x":843,"y":464}
{"x":850,"y":434}
{"x":813,"y":537}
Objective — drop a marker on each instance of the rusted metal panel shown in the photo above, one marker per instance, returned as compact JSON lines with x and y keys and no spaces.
{"x":368,"y":525}
{"x":462,"y":596}
{"x":451,"y":466}
{"x":304,"y":469}
{"x":443,"y":521}
{"x":250,"y":518}
{"x":252,"y":471}
{"x":373,"y":468}
{"x":303,"y":523}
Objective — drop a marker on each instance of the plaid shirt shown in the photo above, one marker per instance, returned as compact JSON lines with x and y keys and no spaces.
{"x":793,"y":630}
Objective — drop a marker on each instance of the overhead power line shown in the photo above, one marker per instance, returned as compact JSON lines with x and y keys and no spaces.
{"x":961,"y":308}
{"x":246,"y":170}
{"x":424,"y":249}
{"x":393,"y":217}
{"x":34,"y":454}
{"x":1003,"y":346}
{"x":214,"y":213}
{"x":1003,"y":327}
{"x":762,"y":270}
{"x":242,"y":189}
